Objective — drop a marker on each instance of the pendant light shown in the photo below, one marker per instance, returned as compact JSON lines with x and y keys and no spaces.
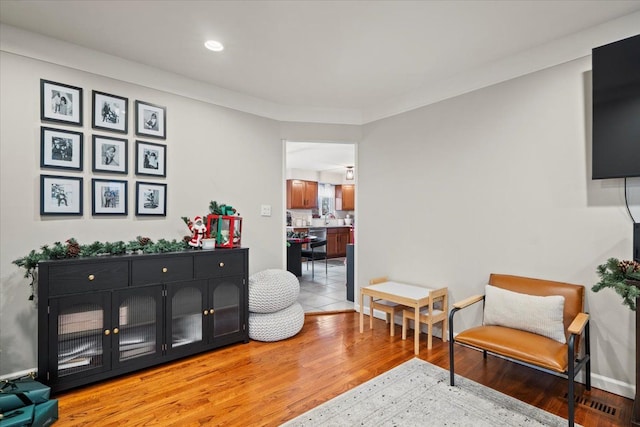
{"x":350,"y":172}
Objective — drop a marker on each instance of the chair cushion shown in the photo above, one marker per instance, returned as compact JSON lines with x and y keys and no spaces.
{"x":573,"y":294}
{"x":272,"y":290}
{"x":541,"y":315}
{"x":517,"y":344}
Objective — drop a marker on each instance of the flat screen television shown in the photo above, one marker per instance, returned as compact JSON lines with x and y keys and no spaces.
{"x":616,"y":109}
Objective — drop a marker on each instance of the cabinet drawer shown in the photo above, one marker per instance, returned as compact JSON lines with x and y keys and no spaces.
{"x":161,"y":270}
{"x":69,"y":279}
{"x":219,"y":264}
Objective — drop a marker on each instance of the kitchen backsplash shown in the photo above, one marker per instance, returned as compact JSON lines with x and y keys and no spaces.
{"x":306,"y":217}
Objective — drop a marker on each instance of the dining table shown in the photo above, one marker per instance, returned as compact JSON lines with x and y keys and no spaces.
{"x":294,"y":254}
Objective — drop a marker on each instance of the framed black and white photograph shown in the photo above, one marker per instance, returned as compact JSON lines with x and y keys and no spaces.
{"x":110,"y":112}
{"x":60,"y":195}
{"x":151,"y":159}
{"x":108,"y":197}
{"x":151,"y":199}
{"x":110,"y":154}
{"x":60,"y":149}
{"x":151,"y":120}
{"x":60,"y":103}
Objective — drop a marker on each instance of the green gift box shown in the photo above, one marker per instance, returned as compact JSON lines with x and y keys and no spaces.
{"x":19,"y":417}
{"x":22,"y":392}
{"x":45,"y":413}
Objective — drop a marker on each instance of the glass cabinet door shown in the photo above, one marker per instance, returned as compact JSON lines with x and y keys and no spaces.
{"x":80,"y":342}
{"x":137,"y":326}
{"x":185,"y":315}
{"x":225,"y":300}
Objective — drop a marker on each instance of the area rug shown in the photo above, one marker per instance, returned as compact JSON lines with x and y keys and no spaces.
{"x":417,"y":393}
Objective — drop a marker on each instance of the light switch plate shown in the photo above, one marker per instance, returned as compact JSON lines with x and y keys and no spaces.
{"x":265,"y":210}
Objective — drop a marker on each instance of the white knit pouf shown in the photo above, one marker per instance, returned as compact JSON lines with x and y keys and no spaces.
{"x":276,"y":326}
{"x":272,"y":290}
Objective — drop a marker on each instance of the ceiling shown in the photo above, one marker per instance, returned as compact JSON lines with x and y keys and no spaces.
{"x":363,"y":59}
{"x":341,"y":55}
{"x":323,"y":157}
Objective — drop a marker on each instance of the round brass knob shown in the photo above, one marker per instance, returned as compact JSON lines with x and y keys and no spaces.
{"x":222,"y":264}
{"x":91,"y":277}
{"x":116,"y":330}
{"x":206,"y":312}
{"x":107,"y":332}
{"x":165,"y":269}
{"x":211,"y":311}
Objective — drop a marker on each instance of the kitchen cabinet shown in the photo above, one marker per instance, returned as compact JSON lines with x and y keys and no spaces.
{"x":102,"y":317}
{"x":302,"y":194}
{"x":346,"y":194}
{"x":337,"y":241}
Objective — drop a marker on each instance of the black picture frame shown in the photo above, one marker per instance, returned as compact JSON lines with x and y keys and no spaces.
{"x":109,"y":112}
{"x":151,"y":120}
{"x":109,"y":197}
{"x":151,"y":199}
{"x":151,"y":159}
{"x":61,"y":149}
{"x":110,"y":155}
{"x":60,"y":103}
{"x":58,"y":190}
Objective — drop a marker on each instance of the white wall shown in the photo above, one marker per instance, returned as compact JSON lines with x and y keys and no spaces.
{"x":213,"y":153}
{"x":498,"y":180}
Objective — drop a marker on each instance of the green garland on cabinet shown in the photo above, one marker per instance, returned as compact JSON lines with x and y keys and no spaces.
{"x":72,"y":249}
{"x":621,"y":276}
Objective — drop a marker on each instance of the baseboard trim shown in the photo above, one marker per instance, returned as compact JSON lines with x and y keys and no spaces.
{"x":613,"y":386}
{"x":19,"y":374}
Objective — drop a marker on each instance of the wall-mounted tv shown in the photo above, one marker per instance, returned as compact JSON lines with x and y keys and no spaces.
{"x":616,"y":109}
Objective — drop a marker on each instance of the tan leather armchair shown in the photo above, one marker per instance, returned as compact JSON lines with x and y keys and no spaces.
{"x":527,"y":348}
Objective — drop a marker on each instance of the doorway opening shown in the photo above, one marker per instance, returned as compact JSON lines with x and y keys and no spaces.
{"x":320,"y":201}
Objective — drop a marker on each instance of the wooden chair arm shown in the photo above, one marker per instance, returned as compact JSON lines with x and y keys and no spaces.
{"x":468,"y":301}
{"x":577,"y":326}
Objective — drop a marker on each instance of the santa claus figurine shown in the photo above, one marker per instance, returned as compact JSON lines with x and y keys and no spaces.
{"x":199,"y":230}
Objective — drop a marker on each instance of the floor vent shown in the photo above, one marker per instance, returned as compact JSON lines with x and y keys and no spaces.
{"x":594,"y":404}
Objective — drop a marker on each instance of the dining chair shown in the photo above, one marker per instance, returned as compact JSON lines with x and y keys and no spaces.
{"x":390,"y":308}
{"x":313,"y":254}
{"x":434,"y":313}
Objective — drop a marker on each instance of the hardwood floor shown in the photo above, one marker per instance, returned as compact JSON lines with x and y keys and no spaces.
{"x":265,"y":384}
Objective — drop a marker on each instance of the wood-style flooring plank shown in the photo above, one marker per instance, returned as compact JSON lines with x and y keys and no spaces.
{"x":266,"y":384}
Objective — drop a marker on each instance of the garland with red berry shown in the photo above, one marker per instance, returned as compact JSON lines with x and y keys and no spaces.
{"x":72,"y":249}
{"x":621,"y":276}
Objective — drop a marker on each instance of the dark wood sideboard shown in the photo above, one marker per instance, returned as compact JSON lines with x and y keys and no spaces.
{"x":105,"y":316}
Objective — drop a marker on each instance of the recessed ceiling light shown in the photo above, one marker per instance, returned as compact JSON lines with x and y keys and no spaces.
{"x":214,"y":45}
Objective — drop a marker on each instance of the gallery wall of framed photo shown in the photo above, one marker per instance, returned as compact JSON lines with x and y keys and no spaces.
{"x":62,"y":148}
